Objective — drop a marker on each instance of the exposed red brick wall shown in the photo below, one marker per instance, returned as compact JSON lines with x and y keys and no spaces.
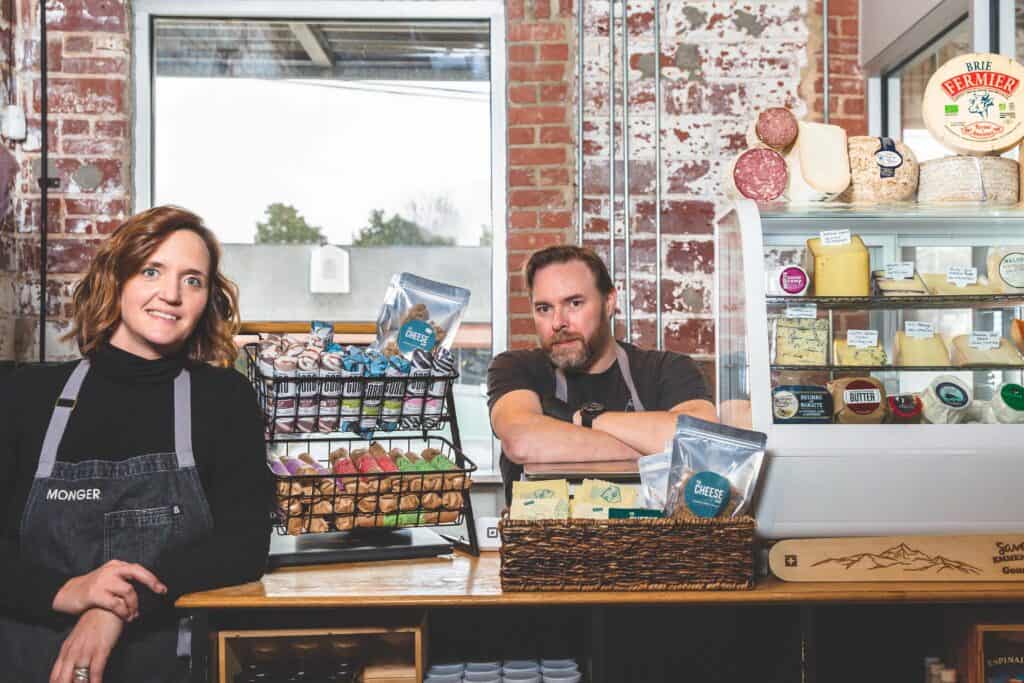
{"x":8,"y":265}
{"x":847,"y":96}
{"x":89,"y":121}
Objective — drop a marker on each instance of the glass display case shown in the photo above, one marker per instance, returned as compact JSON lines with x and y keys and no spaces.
{"x":880,"y":349}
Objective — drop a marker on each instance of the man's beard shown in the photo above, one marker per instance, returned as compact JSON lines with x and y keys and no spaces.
{"x":578,"y":357}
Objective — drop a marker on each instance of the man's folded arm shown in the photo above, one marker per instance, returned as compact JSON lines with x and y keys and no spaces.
{"x":650,"y":431}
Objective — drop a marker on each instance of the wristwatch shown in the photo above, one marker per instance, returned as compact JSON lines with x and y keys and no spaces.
{"x":589,"y":413}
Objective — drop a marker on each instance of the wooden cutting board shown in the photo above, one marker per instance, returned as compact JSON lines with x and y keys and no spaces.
{"x":997,"y":557}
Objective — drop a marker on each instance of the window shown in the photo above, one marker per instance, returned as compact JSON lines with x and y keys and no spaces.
{"x":332,"y":147}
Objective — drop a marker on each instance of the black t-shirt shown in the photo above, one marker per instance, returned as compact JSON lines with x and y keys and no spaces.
{"x":125,"y":409}
{"x":663,"y":380}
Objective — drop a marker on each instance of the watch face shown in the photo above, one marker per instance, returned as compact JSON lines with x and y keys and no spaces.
{"x":593,"y":407}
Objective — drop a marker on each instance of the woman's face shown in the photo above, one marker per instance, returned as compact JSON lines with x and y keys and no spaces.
{"x":162,"y":303}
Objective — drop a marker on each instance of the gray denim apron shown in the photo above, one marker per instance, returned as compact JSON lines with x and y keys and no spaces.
{"x":80,"y":515}
{"x":512,"y":472}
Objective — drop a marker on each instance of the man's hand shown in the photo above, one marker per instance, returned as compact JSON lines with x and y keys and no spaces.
{"x":88,"y":645}
{"x":107,"y":587}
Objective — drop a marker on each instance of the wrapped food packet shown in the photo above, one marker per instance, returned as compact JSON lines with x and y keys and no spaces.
{"x":394,"y":392}
{"x":419,"y":314}
{"x":714,"y":469}
{"x":376,"y":367}
{"x":654,"y":471}
{"x":533,"y":500}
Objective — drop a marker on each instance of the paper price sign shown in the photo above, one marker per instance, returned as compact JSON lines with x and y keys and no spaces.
{"x":919,"y":330}
{"x":985,"y":340}
{"x":862,"y":339}
{"x":805,"y":311}
{"x":899,"y":271}
{"x":961,"y":276}
{"x":834,"y":238}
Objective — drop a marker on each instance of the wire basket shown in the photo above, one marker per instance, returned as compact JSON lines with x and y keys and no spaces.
{"x":326,"y":401}
{"x":318,"y":498}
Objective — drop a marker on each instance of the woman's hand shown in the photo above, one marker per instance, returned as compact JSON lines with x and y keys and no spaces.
{"x":88,"y":645}
{"x":107,"y":587}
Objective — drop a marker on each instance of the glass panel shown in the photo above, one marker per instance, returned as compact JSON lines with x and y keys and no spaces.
{"x":913,"y":79}
{"x":733,"y":387}
{"x":328,"y":155}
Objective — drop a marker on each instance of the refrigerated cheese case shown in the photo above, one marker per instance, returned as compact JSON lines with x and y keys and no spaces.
{"x":882,"y":351}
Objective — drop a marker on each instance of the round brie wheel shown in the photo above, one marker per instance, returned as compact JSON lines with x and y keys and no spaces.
{"x":947,"y":400}
{"x":973,"y":104}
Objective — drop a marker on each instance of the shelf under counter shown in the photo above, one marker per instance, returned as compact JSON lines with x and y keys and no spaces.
{"x":901,"y":302}
{"x":906,"y":218}
{"x":895,"y":368}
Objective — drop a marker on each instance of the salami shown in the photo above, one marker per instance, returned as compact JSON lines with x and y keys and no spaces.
{"x":776,"y":127}
{"x":760,"y":174}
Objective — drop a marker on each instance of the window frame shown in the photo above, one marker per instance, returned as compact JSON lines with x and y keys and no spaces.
{"x":493,"y":11}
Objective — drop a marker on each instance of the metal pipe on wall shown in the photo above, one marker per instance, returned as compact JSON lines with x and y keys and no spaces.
{"x":824,"y":60}
{"x":657,"y":175}
{"x":579,"y":123}
{"x":626,"y":232}
{"x":611,"y":138}
{"x":43,"y":180}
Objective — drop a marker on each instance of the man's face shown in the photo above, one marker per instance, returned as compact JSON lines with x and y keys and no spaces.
{"x":571,"y":315}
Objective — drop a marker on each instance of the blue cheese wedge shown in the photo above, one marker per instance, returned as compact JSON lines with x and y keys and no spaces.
{"x":801,"y":341}
{"x":872,"y":356}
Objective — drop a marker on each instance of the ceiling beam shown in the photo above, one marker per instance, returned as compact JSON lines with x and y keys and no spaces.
{"x":313,"y":43}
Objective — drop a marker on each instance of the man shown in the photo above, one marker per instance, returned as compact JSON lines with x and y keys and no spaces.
{"x":583,"y":396}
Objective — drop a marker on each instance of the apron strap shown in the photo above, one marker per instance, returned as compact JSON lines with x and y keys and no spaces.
{"x":183,"y":419}
{"x":562,"y":387}
{"x":59,"y":419}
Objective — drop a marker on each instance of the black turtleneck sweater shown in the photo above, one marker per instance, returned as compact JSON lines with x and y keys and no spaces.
{"x":125,"y":409}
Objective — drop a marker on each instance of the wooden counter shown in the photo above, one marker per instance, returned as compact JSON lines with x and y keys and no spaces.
{"x":463,"y":581}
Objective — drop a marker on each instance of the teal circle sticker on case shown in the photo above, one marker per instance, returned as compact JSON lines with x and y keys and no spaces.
{"x":706,"y":494}
{"x":416,"y":334}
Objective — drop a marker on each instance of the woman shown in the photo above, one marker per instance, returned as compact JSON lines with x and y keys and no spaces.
{"x":134,"y":475}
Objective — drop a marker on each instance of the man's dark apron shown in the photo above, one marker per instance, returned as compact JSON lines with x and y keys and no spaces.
{"x":80,"y":515}
{"x":510,"y":471}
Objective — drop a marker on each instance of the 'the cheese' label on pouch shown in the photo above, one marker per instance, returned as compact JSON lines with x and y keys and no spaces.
{"x":862,"y":339}
{"x":804,"y":311}
{"x":1011,"y":269}
{"x":903,"y":270}
{"x":834,"y":238}
{"x":985,"y":340}
{"x":918,"y":329}
{"x":972,"y":103}
{"x":416,"y":334}
{"x":706,"y":493}
{"x":961,"y":276}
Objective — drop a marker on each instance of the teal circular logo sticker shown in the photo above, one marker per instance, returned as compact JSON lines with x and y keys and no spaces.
{"x":416,"y":334}
{"x":952,"y":395}
{"x":706,"y":494}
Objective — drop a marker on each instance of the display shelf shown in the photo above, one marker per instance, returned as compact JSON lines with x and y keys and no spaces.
{"x":896,"y":368}
{"x":902,"y":302}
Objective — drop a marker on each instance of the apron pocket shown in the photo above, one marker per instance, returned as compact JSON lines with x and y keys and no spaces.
{"x":139,"y":536}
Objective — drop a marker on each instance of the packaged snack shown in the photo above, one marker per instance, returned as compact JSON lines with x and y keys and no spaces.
{"x":321,"y":334}
{"x":394,"y":392}
{"x":376,"y":368}
{"x":419,"y":314}
{"x":539,"y":500}
{"x":714,"y":469}
{"x":654,"y":479}
{"x":605,"y":493}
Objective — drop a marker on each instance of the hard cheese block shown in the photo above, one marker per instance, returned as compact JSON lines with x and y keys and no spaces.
{"x":818,"y":162}
{"x":911,"y":351}
{"x":939,"y":285}
{"x":840,"y":270}
{"x":872,"y":356}
{"x":964,"y":355}
{"x":903,"y":287}
{"x":800,"y":342}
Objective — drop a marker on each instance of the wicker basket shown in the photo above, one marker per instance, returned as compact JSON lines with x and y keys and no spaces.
{"x":627,"y":554}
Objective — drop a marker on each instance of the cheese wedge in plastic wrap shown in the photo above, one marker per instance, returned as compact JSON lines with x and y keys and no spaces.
{"x":844,"y":354}
{"x":909,"y":287}
{"x":939,"y":286}
{"x":1006,"y":269}
{"x":841,"y":269}
{"x":923,"y":351}
{"x":964,"y":355}
{"x":818,"y":163}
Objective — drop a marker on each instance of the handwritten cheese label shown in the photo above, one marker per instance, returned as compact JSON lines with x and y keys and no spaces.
{"x":862,"y":339}
{"x":918,"y":329}
{"x":962,"y":276}
{"x":903,"y":270}
{"x":805,"y":311}
{"x":834,"y":238}
{"x":985,"y":341}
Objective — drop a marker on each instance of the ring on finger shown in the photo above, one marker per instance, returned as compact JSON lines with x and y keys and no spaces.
{"x":80,"y":674}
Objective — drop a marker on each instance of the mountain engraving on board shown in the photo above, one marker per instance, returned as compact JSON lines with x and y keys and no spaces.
{"x":901,"y":557}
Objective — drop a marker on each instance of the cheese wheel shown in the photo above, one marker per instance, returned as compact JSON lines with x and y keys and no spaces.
{"x":971,"y":102}
{"x":881,"y":170}
{"x":969,"y":179}
{"x":1006,"y":269}
{"x":787,"y":281}
{"x":839,"y":269}
{"x":905,"y":409}
{"x":1008,"y":404}
{"x":947,"y":400}
{"x":859,"y":400}
{"x":801,"y":404}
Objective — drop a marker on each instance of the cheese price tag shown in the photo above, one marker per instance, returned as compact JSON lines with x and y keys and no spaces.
{"x":919,"y":329}
{"x":862,"y":339}
{"x":805,"y":311}
{"x":834,"y":238}
{"x":903,"y":270}
{"x":961,"y":276}
{"x":986,"y":341}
